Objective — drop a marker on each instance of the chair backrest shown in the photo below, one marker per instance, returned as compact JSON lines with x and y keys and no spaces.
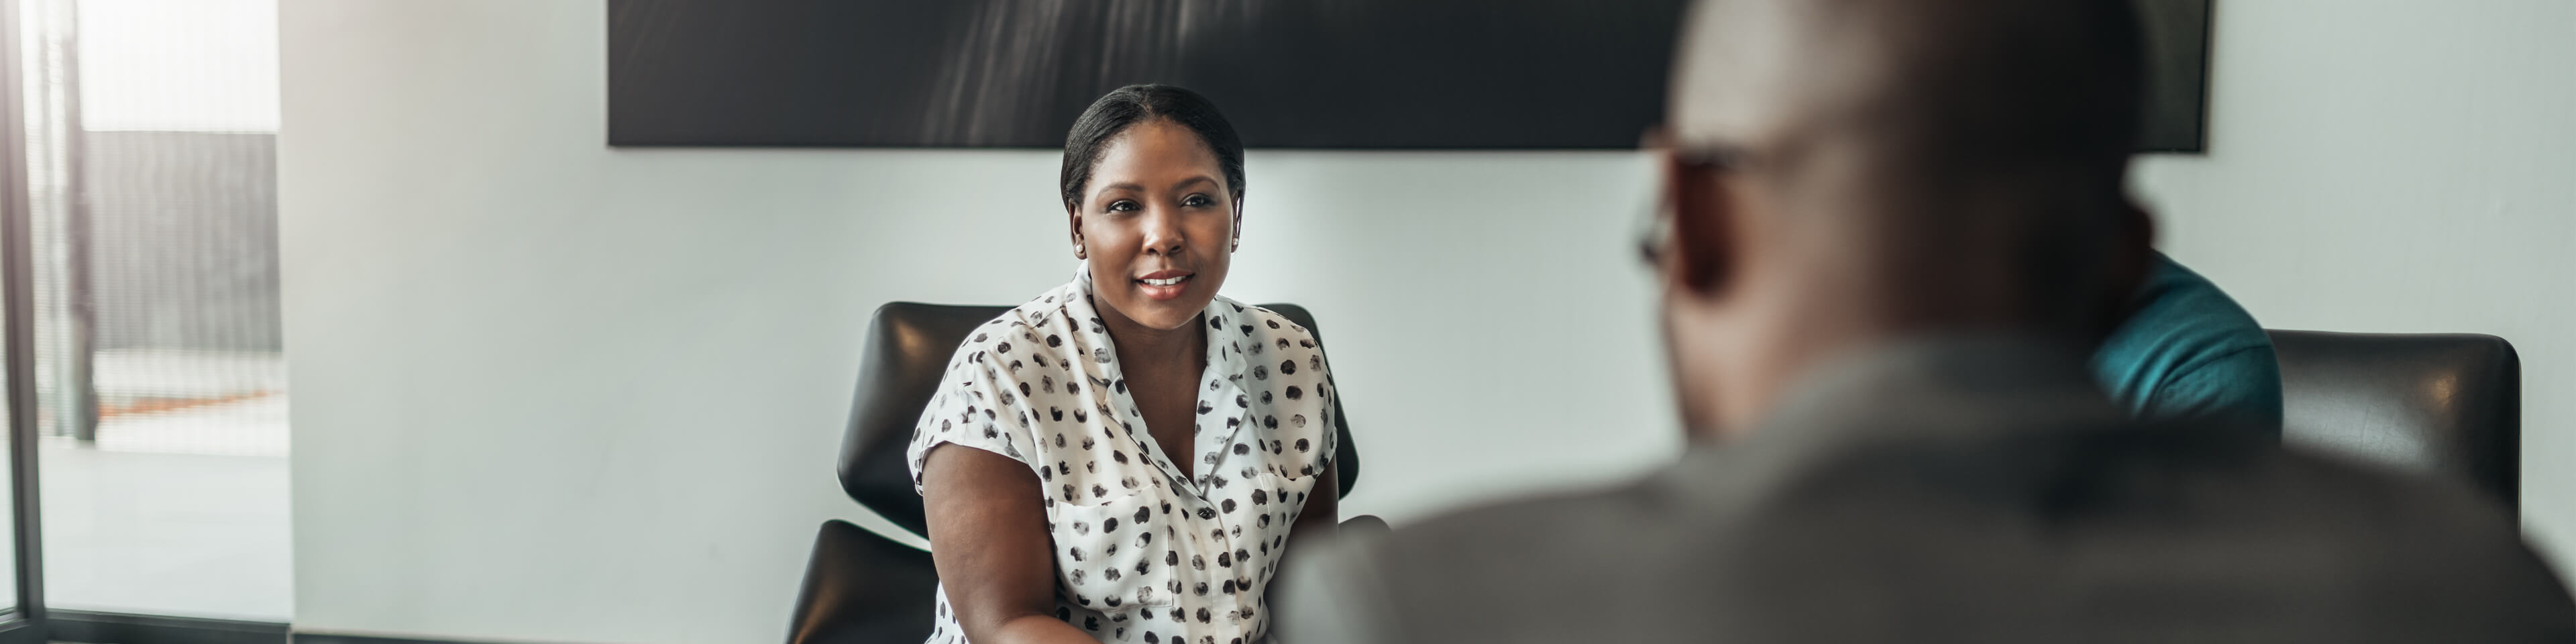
{"x":908,"y":345}
{"x":2447,"y":404}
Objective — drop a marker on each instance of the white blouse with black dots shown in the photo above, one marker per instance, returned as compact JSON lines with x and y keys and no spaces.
{"x":1144,"y":554}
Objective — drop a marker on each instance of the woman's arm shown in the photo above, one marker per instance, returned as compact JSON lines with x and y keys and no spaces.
{"x":988,"y":538}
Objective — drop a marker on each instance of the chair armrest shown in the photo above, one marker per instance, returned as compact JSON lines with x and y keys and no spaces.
{"x":861,"y":588}
{"x":1366,"y":526}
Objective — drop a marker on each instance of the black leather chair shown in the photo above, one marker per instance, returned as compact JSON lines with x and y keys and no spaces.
{"x":2444,"y":405}
{"x":861,"y":588}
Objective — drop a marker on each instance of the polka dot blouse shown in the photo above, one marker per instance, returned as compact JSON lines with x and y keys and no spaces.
{"x":1143,"y":553}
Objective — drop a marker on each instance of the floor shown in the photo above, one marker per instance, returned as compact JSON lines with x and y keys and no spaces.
{"x":180,"y":505}
{"x":198,"y":535}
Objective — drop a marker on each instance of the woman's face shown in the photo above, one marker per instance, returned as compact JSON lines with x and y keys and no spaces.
{"x":1156,"y":225}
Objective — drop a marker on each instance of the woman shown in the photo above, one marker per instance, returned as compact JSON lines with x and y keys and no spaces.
{"x":1140,"y":450}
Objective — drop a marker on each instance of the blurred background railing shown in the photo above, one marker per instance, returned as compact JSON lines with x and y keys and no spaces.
{"x":151,"y":151}
{"x":155,"y":218}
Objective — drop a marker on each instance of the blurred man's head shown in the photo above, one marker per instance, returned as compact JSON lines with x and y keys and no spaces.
{"x":1850,"y":172}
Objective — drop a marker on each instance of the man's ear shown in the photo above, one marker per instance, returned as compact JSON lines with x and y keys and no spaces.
{"x":1701,"y":253}
{"x":2137,"y":242}
{"x":2132,"y":261}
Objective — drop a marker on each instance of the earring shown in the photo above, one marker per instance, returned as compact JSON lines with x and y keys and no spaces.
{"x":1078,"y":251}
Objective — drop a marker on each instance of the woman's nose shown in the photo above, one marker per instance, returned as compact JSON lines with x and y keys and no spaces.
{"x":1162,"y":233}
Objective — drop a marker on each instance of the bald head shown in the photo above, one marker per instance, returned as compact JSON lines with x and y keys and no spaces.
{"x":1851,"y":171}
{"x":1938,"y":140}
{"x":1940,"y":86}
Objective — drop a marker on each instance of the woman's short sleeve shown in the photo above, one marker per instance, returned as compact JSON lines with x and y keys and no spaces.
{"x":1327,"y":459}
{"x":976,"y":405}
{"x":1296,"y":396}
{"x":1328,"y":441}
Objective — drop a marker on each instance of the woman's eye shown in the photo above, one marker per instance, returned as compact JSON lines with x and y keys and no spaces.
{"x":1195,"y":201}
{"x":1122,"y":205}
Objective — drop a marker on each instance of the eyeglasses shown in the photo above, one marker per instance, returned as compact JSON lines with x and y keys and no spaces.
{"x":1657,"y":233}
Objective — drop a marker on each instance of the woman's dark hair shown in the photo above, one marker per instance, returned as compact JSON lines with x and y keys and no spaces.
{"x":1127,"y":106}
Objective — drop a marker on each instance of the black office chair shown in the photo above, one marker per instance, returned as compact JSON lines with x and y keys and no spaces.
{"x":2443,"y":405}
{"x":861,"y":588}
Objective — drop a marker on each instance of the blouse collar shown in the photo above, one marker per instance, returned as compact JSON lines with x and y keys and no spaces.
{"x":1229,"y":328}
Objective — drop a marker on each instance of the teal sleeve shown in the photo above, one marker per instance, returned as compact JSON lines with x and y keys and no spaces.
{"x":2188,"y":351}
{"x":2244,"y":385}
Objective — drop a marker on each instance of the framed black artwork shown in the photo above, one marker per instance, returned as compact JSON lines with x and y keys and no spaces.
{"x":2177,"y":109}
{"x":1328,"y":74}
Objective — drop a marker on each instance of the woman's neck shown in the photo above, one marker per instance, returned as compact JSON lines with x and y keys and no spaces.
{"x":1166,"y":348}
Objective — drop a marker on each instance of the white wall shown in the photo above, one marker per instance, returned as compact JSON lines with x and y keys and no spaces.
{"x":550,"y":391}
{"x":2400,"y":166}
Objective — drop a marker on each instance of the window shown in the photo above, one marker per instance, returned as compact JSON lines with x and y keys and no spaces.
{"x":159,"y":355}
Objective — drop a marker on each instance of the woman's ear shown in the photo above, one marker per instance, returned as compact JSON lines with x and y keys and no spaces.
{"x":1073,"y":223}
{"x":1238,"y":221}
{"x":1701,"y":250}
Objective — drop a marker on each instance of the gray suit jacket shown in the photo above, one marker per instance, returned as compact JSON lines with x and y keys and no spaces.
{"x":1954,"y":491}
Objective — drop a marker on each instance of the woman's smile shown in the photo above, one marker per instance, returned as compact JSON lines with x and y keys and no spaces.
{"x":1164,"y":284}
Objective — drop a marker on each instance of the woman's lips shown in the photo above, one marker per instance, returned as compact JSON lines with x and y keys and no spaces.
{"x":1164,"y":285}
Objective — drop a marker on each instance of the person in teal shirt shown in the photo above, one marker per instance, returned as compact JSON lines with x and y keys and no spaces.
{"x":2188,"y":351}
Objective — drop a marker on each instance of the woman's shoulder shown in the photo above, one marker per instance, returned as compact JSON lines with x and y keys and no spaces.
{"x":1278,"y":343}
{"x":994,"y":378}
{"x":1272,"y":325}
{"x":1032,"y":335}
